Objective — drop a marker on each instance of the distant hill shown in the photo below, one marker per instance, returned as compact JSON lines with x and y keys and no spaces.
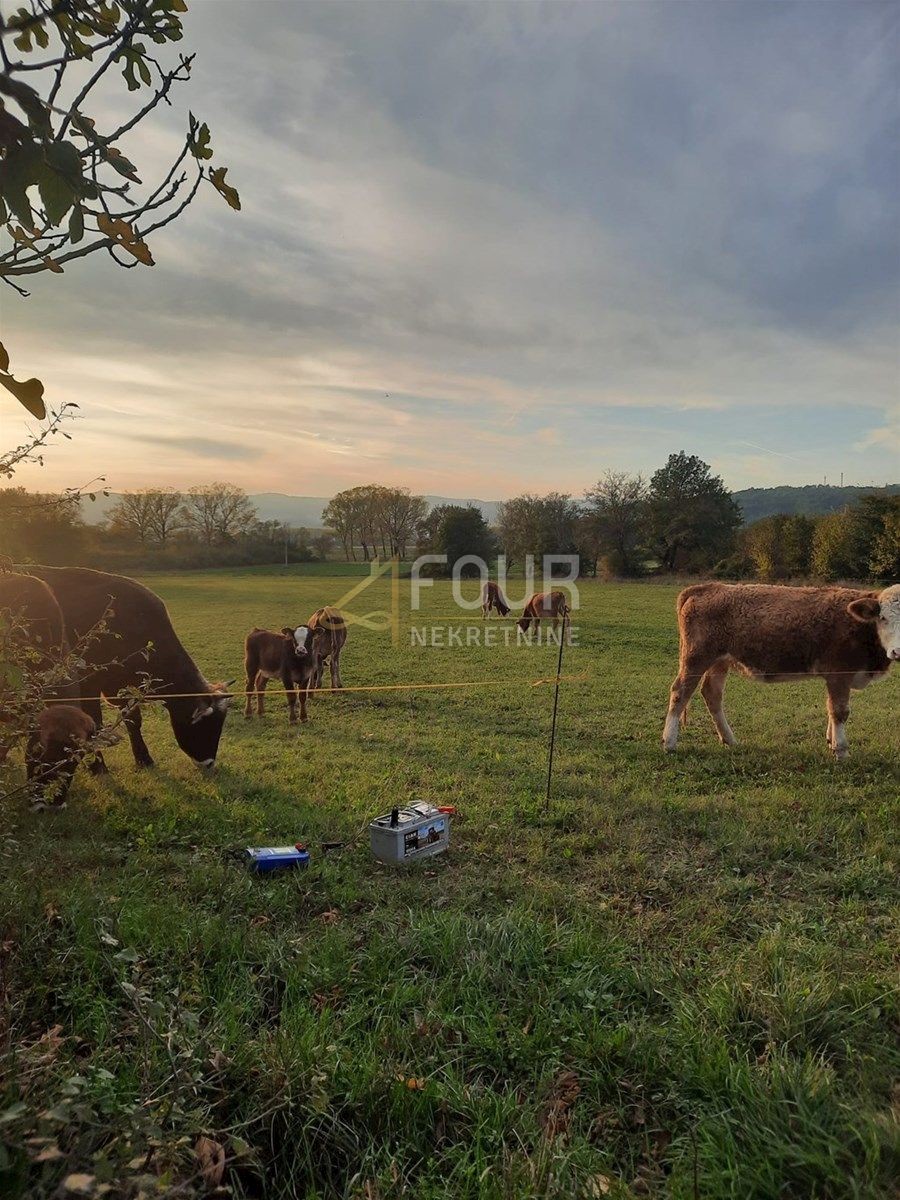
{"x":298,"y":511}
{"x":811,"y":501}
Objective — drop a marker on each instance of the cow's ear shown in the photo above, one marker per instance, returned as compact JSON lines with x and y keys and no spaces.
{"x":867,"y":609}
{"x":288,"y":632}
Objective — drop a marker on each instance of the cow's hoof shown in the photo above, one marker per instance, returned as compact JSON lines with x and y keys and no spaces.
{"x":841,"y":755}
{"x":670,"y":747}
{"x":144,"y":764}
{"x":98,"y":767}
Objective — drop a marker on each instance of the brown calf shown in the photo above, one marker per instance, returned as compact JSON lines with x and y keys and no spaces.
{"x":333,"y":635}
{"x":291,"y":656}
{"x":544,"y":604}
{"x":491,"y":598}
{"x":63,"y":737}
{"x":778,"y":634}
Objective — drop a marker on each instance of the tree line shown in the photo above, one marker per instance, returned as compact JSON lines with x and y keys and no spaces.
{"x":209,"y":525}
{"x":682,"y":519}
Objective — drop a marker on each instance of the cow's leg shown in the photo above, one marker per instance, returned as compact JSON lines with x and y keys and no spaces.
{"x":249,"y":688}
{"x":260,"y":685}
{"x":94,"y":710}
{"x":134,"y":719}
{"x":838,"y":714}
{"x":336,"y":681}
{"x":290,"y":690}
{"x":712,"y":689}
{"x":683,"y":687}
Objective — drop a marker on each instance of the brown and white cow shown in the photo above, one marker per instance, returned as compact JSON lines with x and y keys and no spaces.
{"x":544,"y":604}
{"x":333,"y":636}
{"x":491,"y":598}
{"x":846,"y":636}
{"x":291,"y":656}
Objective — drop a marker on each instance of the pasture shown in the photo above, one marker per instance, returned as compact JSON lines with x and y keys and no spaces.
{"x":680,"y":981}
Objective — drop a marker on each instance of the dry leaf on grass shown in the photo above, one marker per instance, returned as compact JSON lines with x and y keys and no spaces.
{"x":211,"y":1160}
{"x":78,"y":1185}
{"x":557,"y":1111}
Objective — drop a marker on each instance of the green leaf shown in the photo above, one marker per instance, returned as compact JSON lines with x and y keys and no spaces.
{"x":217,"y":179}
{"x":76,"y":225}
{"x":4,"y":358}
{"x":57,"y":195}
{"x":30,"y":394}
{"x":21,"y":170}
{"x":200,"y":147}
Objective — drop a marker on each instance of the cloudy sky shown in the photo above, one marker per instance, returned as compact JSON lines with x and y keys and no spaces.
{"x":503,"y":246}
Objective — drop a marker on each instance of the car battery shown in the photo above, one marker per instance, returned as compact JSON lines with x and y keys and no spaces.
{"x":415,"y":831}
{"x":263,"y":859}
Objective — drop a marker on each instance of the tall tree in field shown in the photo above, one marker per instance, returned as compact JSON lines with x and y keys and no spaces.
{"x":132,"y":515}
{"x":537,"y":525}
{"x":692,"y":518}
{"x":462,"y":530}
{"x":165,"y":513}
{"x":615,"y":513}
{"x":218,"y":512}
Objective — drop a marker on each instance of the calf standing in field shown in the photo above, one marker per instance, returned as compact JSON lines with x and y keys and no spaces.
{"x":845,"y":636}
{"x":291,"y":656}
{"x":332,"y":635}
{"x":491,"y":598}
{"x":544,"y":604}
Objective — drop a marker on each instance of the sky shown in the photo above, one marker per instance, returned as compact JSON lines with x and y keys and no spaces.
{"x":500,"y":247}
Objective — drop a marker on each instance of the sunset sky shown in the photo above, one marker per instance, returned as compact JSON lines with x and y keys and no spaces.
{"x":501,"y":247}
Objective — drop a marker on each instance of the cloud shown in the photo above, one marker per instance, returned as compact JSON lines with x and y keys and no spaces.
{"x":200,"y":447}
{"x":639,"y":227}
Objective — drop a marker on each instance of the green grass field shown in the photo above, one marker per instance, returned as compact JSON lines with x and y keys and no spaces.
{"x":680,"y":981}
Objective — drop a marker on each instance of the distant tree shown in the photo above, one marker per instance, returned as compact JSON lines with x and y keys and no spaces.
{"x":780,"y":547}
{"x":323,"y":543}
{"x":41,"y":527}
{"x":462,"y":530}
{"x":537,"y":525}
{"x":614,"y":516}
{"x":884,"y":557}
{"x":132,"y":515}
{"x":836,"y":550}
{"x":692,"y":517}
{"x":401,"y":512}
{"x":218,"y":512}
{"x":165,"y":513}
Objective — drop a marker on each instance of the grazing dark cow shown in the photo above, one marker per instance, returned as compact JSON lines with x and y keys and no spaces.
{"x":777,"y":634}
{"x":491,"y":598}
{"x":117,"y":657}
{"x":36,"y":622}
{"x":64,"y":736}
{"x":544,"y":604}
{"x":331,"y":642}
{"x":291,"y":656}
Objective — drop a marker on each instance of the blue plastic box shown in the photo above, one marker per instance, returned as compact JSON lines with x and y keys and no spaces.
{"x":264,"y":859}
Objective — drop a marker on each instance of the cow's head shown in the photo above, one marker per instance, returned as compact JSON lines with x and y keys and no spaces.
{"x":300,"y":640}
{"x":198,"y":723}
{"x":884,"y":610}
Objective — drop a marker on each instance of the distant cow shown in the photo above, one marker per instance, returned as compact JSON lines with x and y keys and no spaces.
{"x":291,"y":656}
{"x":331,"y":642}
{"x":777,"y":634}
{"x":136,"y":618}
{"x":64,"y":736}
{"x":543,"y":605}
{"x":491,"y":598}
